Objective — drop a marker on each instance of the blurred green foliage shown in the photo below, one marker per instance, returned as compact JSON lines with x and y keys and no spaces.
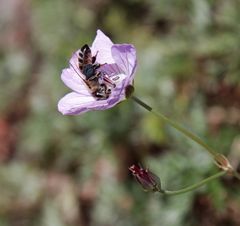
{"x":73,"y":170}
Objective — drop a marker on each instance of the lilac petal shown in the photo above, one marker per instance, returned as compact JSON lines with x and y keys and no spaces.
{"x":118,"y":93}
{"x":73,"y":63}
{"x":78,"y":103}
{"x":72,"y":80}
{"x":102,"y":46}
{"x":125,"y":57}
{"x":111,"y":70}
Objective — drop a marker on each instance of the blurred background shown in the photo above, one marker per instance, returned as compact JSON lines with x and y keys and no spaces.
{"x":60,"y":170}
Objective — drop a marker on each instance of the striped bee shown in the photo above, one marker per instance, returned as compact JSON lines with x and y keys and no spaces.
{"x":98,"y":83}
{"x":87,"y":63}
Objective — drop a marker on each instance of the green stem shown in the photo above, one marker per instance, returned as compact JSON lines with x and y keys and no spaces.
{"x":236,"y":174}
{"x":181,"y":129}
{"x":194,"y":186}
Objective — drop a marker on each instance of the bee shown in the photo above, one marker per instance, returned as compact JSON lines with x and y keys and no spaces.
{"x":87,"y":63}
{"x":94,"y":80}
{"x":100,"y":91}
{"x":98,"y":82}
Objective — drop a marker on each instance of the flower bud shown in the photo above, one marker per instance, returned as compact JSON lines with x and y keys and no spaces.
{"x":148,"y":180}
{"x":223,"y":163}
{"x":129,"y":91}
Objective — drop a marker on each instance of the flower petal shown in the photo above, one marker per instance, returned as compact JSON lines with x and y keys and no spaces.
{"x":124,"y":56}
{"x":72,"y":80}
{"x":78,"y":103}
{"x":111,"y":70}
{"x":102,"y":47}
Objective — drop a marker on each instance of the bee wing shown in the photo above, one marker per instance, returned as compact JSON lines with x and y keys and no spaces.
{"x":73,"y":78}
{"x":80,"y":75}
{"x":74,"y":65}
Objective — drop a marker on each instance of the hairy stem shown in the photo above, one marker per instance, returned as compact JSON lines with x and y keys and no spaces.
{"x":181,"y":129}
{"x":194,"y":186}
{"x":187,"y":133}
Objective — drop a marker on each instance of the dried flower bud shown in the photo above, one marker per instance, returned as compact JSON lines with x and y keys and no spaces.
{"x":148,"y":180}
{"x":223,"y":163}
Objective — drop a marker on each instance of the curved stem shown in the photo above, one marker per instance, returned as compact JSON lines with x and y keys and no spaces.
{"x":181,"y":129}
{"x":194,"y":186}
{"x":236,"y":174}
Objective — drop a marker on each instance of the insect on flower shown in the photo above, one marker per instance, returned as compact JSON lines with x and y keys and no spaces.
{"x":87,"y":63}
{"x":98,"y":82}
{"x":148,"y":180}
{"x":98,"y":75}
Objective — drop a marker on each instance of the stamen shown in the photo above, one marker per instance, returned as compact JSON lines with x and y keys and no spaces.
{"x":108,"y":80}
{"x":115,"y":78}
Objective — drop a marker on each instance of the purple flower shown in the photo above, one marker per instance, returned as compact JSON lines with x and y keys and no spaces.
{"x":118,"y":65}
{"x":148,"y":180}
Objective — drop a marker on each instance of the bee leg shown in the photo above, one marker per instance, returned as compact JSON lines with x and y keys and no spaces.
{"x":96,"y":66}
{"x":95,"y":77}
{"x":94,"y":58}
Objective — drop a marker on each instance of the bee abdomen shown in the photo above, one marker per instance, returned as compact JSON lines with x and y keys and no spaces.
{"x":85,"y":47}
